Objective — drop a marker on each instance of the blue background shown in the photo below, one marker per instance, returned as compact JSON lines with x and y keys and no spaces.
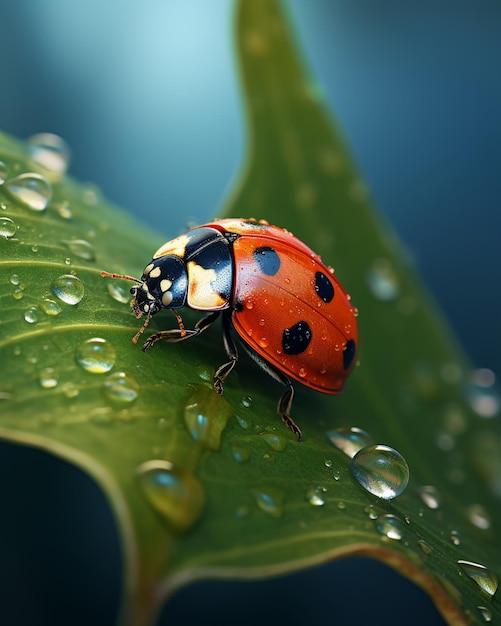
{"x":147,"y":96}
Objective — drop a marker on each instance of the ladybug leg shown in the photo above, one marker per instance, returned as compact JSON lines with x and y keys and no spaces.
{"x":231,"y":350}
{"x":176,"y":334}
{"x":284,"y":407}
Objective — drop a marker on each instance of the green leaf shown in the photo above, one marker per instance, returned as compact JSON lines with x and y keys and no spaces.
{"x":211,"y":486}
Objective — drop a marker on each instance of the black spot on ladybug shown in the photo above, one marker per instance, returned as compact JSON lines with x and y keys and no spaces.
{"x":349,"y":353}
{"x":324,"y":287}
{"x":297,"y":338}
{"x":267,"y":260}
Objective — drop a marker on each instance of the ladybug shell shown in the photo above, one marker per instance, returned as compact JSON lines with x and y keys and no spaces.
{"x":289,"y":308}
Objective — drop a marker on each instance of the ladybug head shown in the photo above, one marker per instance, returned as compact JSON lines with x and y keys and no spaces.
{"x":163,"y":285}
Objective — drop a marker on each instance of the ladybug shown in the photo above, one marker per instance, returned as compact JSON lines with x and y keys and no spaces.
{"x":292,"y":315}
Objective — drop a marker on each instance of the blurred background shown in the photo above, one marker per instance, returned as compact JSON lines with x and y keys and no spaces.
{"x":148,"y":98}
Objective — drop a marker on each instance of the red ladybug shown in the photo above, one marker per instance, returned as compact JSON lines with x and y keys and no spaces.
{"x":292,"y":315}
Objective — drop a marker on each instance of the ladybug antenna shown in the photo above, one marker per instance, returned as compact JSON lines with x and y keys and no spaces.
{"x":142,"y":329}
{"x":123,"y":276}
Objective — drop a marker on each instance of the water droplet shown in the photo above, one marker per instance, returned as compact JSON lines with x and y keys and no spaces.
{"x":82,"y":249}
{"x":3,"y":172}
{"x":14,"y":279}
{"x":371,"y":512}
{"x":246,"y":402}
{"x":381,"y":470}
{"x":50,"y":307}
{"x":63,"y":209}
{"x":350,"y":439}
{"x":430,"y":496}
{"x":32,"y":190}
{"x":96,"y":355}
{"x":239,"y":452}
{"x":8,"y":227}
{"x":18,"y":294}
{"x":118,"y":293}
{"x":328,"y":463}
{"x":50,"y":151}
{"x":32,"y":315}
{"x":175,"y":494}
{"x":390,"y":526}
{"x":270,"y":500}
{"x":48,"y":378}
{"x":245,"y":422}
{"x":120,"y":388}
{"x":68,"y":288}
{"x":454,"y":537}
{"x":70,"y":390}
{"x":34,"y":247}
{"x":482,"y":575}
{"x":383,"y":280}
{"x":482,"y":393}
{"x":316,"y":495}
{"x":275,"y":440}
{"x":478,"y":516}
{"x":485,"y":613}
{"x":206,"y":415}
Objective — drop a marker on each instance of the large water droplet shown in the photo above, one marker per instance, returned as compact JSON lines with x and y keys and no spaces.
{"x":316,"y":495}
{"x":485,"y":613}
{"x":48,"y":378}
{"x":390,"y":526}
{"x":32,"y":315}
{"x":118,"y":293}
{"x":50,"y":307}
{"x":68,"y":288}
{"x":206,"y":415}
{"x":50,"y":151}
{"x":177,"y":495}
{"x":121,"y":388}
{"x":478,"y":516}
{"x":82,"y":249}
{"x":96,"y":355}
{"x":239,"y":452}
{"x":482,"y":575}
{"x":275,"y":440}
{"x":430,"y":496}
{"x":383,"y":280}
{"x":8,"y":227}
{"x":32,"y":190}
{"x":350,"y":439}
{"x":381,"y":470}
{"x":270,"y":500}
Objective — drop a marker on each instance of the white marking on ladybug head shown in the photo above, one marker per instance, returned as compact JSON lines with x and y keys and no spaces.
{"x":176,"y":246}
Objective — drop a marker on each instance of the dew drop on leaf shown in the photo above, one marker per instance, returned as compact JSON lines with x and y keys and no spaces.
{"x":48,"y":378}
{"x":175,"y":494}
{"x":32,"y":190}
{"x":276,"y":441}
{"x":269,"y":499}
{"x":239,"y":452}
{"x":430,"y":496}
{"x":316,"y":495}
{"x":82,"y":249}
{"x":32,"y":315}
{"x":485,"y":613}
{"x":350,"y":439}
{"x":50,"y":307}
{"x":383,"y":280}
{"x":206,"y":415}
{"x":50,"y":151}
{"x":481,"y":575}
{"x":390,"y":526}
{"x":381,"y":470}
{"x":68,"y":289}
{"x":120,"y":388}
{"x":8,"y":227}
{"x":478,"y":516}
{"x":95,"y":355}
